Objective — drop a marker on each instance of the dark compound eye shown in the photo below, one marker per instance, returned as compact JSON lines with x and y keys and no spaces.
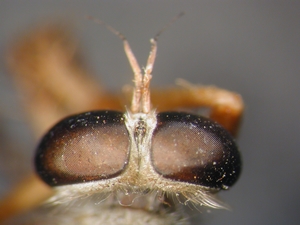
{"x":194,"y":149}
{"x":84,"y":147}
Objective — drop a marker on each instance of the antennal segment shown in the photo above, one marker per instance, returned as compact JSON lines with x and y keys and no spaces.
{"x":141,"y":93}
{"x":150,"y":63}
{"x":138,"y":77}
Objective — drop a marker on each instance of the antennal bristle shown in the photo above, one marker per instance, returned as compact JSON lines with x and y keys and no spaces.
{"x":168,"y":25}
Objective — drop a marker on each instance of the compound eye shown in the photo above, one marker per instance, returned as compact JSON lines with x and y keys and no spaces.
{"x":194,"y":149}
{"x":85,"y":147}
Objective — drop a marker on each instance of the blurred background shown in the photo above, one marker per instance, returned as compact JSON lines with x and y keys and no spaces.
{"x":250,"y":47}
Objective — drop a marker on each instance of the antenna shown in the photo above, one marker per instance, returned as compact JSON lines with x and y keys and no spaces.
{"x":141,"y":93}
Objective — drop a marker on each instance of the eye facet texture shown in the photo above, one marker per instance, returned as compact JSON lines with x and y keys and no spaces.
{"x":84,"y":147}
{"x":194,"y":149}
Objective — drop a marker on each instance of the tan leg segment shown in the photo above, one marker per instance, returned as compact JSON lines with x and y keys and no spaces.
{"x":51,"y":79}
{"x":225,"y":107}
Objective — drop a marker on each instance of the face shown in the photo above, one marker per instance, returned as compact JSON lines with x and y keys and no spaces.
{"x":144,"y":157}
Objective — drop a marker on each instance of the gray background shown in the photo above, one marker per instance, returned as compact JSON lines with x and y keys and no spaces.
{"x":251,"y":47}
